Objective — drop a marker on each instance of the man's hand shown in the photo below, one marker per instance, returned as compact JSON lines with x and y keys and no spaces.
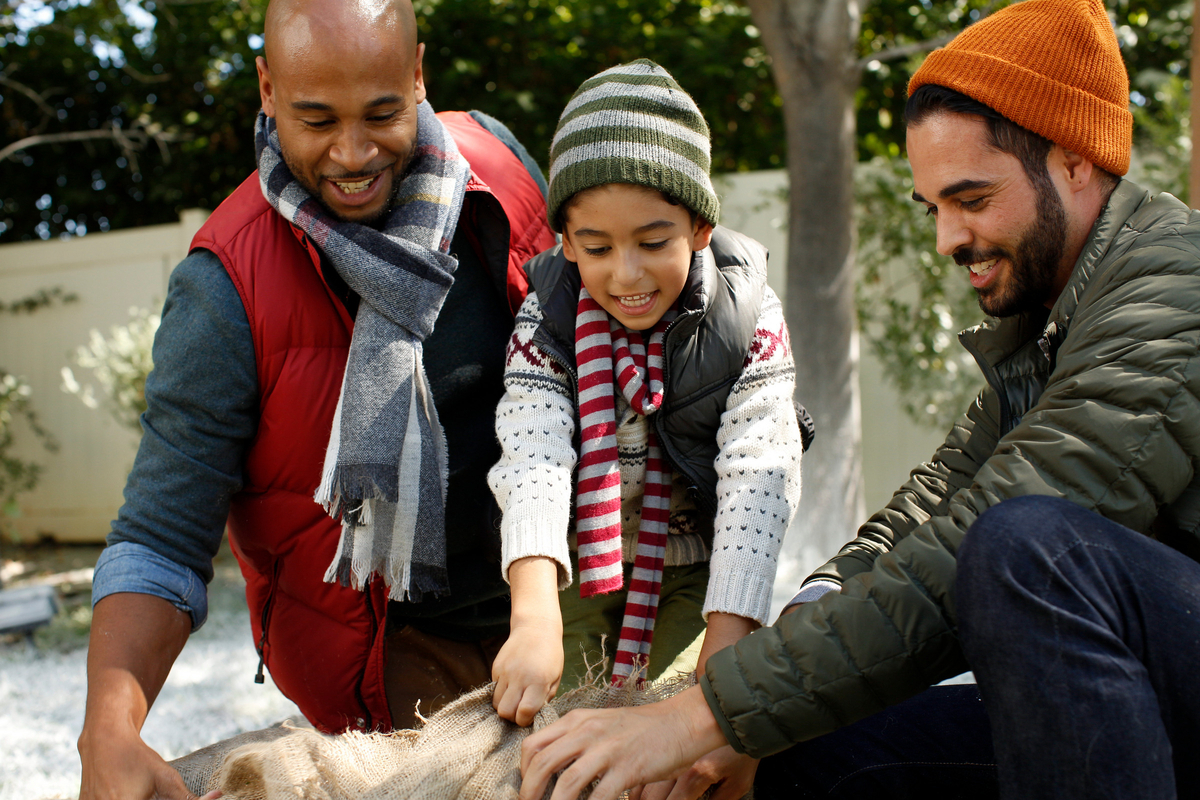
{"x":731,"y":772}
{"x":134,"y":640}
{"x":119,"y":766}
{"x":528,"y":669}
{"x":624,"y":747}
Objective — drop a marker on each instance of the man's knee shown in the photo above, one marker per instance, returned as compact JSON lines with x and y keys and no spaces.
{"x":1006,"y":541}
{"x":1016,"y":529}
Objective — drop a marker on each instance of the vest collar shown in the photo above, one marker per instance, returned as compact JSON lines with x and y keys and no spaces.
{"x":702,"y":275}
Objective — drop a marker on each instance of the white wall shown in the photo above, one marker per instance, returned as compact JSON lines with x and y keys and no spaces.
{"x":80,"y":488}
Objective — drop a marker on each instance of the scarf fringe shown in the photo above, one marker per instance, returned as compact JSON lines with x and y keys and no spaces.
{"x":409,"y":581}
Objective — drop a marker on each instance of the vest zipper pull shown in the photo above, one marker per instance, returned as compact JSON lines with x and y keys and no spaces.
{"x":258,"y":677}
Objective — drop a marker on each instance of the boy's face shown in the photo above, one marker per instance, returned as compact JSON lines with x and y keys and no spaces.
{"x":633,"y":249}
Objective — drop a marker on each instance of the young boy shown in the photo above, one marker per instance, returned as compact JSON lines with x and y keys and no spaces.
{"x":658,"y":333}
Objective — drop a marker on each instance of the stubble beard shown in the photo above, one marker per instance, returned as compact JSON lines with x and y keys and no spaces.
{"x":1033,"y":267}
{"x":376,"y":220}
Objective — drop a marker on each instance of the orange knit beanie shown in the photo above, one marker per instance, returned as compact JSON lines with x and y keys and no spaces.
{"x":1050,"y":66}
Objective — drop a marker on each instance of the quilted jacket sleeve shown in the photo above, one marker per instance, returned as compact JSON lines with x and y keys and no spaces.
{"x":925,"y":494}
{"x":1116,"y":430}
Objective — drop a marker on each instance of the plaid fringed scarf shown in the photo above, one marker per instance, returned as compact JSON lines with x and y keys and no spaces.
{"x":385,"y":469}
{"x":601,"y":342}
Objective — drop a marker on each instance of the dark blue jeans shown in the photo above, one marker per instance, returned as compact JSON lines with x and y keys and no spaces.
{"x":935,"y":746}
{"x":1084,"y":637}
{"x":1085,"y":640}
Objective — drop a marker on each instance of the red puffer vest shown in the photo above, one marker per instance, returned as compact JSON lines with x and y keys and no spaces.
{"x":324,"y":643}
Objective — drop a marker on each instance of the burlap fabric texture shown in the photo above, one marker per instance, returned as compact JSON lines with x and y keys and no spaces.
{"x":463,"y":752}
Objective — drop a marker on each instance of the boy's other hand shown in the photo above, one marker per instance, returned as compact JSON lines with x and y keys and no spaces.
{"x":527,"y":670}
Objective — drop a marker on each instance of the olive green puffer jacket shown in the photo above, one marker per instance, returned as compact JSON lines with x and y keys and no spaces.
{"x":1095,"y":401}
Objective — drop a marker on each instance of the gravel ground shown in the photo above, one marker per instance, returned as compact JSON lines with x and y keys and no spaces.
{"x":210,"y":694}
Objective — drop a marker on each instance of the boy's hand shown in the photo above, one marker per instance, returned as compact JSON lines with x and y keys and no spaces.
{"x":528,"y":669}
{"x":529,"y":666}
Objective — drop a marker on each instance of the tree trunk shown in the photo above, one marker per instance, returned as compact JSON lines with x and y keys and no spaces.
{"x":812,"y":44}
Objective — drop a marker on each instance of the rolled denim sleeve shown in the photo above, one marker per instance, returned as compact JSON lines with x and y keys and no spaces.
{"x":132,"y":567}
{"x":201,"y":414}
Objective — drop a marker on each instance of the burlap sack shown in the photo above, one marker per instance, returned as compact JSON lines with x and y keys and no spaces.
{"x":463,"y":752}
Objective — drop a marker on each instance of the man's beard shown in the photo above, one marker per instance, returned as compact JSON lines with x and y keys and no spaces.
{"x":1034,"y":266}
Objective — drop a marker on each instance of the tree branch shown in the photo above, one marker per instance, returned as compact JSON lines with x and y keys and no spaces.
{"x":130,"y":141}
{"x":905,"y":50}
{"x":142,"y":77}
{"x":39,"y":98}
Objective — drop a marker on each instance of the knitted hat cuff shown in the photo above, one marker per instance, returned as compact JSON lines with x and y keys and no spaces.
{"x":1080,"y":121}
{"x":572,"y":179}
{"x":633,"y":124}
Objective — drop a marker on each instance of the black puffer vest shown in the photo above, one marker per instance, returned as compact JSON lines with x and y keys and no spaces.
{"x":705,"y":346}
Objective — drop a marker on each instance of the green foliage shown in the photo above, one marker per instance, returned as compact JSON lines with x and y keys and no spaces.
{"x":120,"y":364}
{"x":183,"y":72}
{"x":887,"y":26}
{"x":912,"y":302}
{"x":42,"y":298}
{"x":520,"y":61}
{"x":18,"y":475}
{"x":1155,"y":37}
{"x":178,"y":79}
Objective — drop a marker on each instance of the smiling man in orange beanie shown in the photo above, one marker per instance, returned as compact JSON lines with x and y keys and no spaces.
{"x":1049,"y":545}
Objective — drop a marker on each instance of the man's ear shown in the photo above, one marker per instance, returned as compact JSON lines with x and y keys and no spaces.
{"x":419,"y":74}
{"x":702,"y":235}
{"x":266,"y":89}
{"x":1074,"y":168}
{"x":568,"y":248}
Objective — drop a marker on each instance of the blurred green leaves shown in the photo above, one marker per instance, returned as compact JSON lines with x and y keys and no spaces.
{"x":180,"y":75}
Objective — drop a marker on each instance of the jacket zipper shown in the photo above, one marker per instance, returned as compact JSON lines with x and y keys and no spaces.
{"x":259,"y":677}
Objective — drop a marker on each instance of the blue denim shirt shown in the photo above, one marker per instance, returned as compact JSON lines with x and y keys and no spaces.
{"x":196,"y":433}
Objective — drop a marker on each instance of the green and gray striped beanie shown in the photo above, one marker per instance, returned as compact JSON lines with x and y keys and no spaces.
{"x":633,"y":124}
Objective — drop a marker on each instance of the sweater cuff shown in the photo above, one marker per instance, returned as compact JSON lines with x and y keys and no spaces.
{"x":526,"y":538}
{"x":744,"y":593}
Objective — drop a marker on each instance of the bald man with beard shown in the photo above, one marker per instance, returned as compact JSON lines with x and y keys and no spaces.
{"x":326,"y":372}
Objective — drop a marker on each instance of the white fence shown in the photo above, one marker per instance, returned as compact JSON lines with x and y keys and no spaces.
{"x":80,"y":489}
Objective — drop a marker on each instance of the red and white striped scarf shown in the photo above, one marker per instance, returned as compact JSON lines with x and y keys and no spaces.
{"x":601,"y":341}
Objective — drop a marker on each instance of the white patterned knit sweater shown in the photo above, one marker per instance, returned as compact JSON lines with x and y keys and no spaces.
{"x":758,"y":467}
